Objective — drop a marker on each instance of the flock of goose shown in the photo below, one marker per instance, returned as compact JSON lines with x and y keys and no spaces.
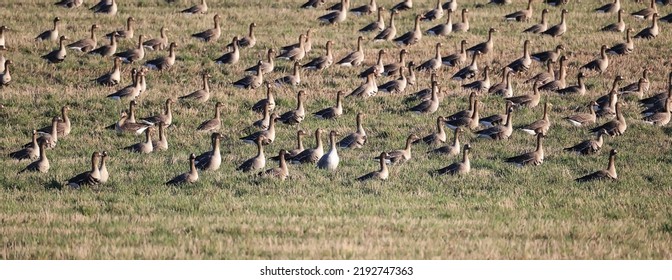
{"x":606,"y":110}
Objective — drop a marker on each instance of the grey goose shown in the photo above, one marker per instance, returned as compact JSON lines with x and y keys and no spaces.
{"x":435,"y":13}
{"x":646,"y":13}
{"x":522,"y":15}
{"x":411,"y":37}
{"x":458,"y":58}
{"x":31,"y":152}
{"x":87,"y":44}
{"x":605,"y":174}
{"x":376,"y":69}
{"x":322,"y":62}
{"x":63,"y":127}
{"x":624,"y":48}
{"x":292,"y":80}
{"x":437,"y":137}
{"x":57,"y":55}
{"x":211,"y":34}
{"x":201,"y":95}
{"x":332,"y":112}
{"x":132,"y":55}
{"x":104,"y":174}
{"x":297,"y":115}
{"x":299,"y":146}
{"x":231,"y":57}
{"x":256,"y":162}
{"x":268,"y":134}
{"x":610,"y":7}
{"x":390,"y":32}
{"x":443,"y":29}
{"x":392,"y":68}
{"x":535,"y":157}
{"x":166,"y":117}
{"x":453,"y":149}
{"x":558,"y":29}
{"x":464,"y":25}
{"x":113,"y":77}
{"x":651,"y":31}
{"x":590,"y":146}
{"x":145,"y":147}
{"x":539,"y":27}
{"x":356,"y":139}
{"x":70,"y":4}
{"x":281,"y":171}
{"x":264,"y":66}
{"x":378,"y":25}
{"x":196,"y":9}
{"x":187,"y":177}
{"x":91,"y":177}
{"x":107,"y":50}
{"x":403,"y":155}
{"x":619,"y":26}
{"x":5,"y":76}
{"x":269,"y":100}
{"x":354,"y":58}
{"x":433,"y":64}
{"x":210,"y":160}
{"x":336,"y":16}
{"x":41,"y":164}
{"x":499,"y":132}
{"x":458,"y":168}
{"x":214,"y":124}
{"x":614,"y":127}
{"x":108,"y":9}
{"x":539,"y":126}
{"x":124,"y":126}
{"x":382,"y":174}
{"x":162,"y":143}
{"x":157,"y":43}
{"x":124,"y":33}
{"x":310,"y":155}
{"x":584,"y":119}
{"x":49,"y":35}
{"x":251,"y":81}
{"x":372,"y":7}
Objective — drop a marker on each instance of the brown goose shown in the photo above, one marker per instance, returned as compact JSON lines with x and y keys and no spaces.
{"x":251,"y":82}
{"x":165,"y":62}
{"x":197,"y":9}
{"x":64,"y":125}
{"x":31,"y":152}
{"x":443,"y":29}
{"x":188,"y":177}
{"x":143,"y":147}
{"x":499,"y":132}
{"x":246,"y":41}
{"x":433,"y":64}
{"x":321,"y":62}
{"x":104,"y":174}
{"x":268,"y":134}
{"x":293,"y":80}
{"x":560,"y":79}
{"x":526,"y":100}
{"x":310,"y":155}
{"x":438,"y":137}
{"x":376,"y":69}
{"x":162,"y":143}
{"x":336,"y":16}
{"x":646,"y":13}
{"x":107,"y":50}
{"x":522,"y":15}
{"x":278,"y":172}
{"x":403,"y":5}
{"x":124,"y":126}
{"x":257,"y":162}
{"x":354,"y":58}
{"x":201,"y":95}
{"x":91,"y":177}
{"x":480,"y":85}
{"x":157,"y":43}
{"x":390,"y":32}
{"x":431,"y":105}
{"x":411,"y":79}
{"x":539,"y":27}
{"x":5,"y":76}
{"x":307,"y":43}
{"x":372,"y":7}
{"x":651,"y":31}
{"x":330,"y":160}
{"x":624,"y":48}
{"x":522,"y":64}
{"x":294,"y":53}
{"x":297,"y":115}
{"x":403,"y":155}
{"x":644,"y":86}
{"x":579,"y":89}
{"x":40,"y":165}
{"x":504,"y":88}
{"x":214,"y":124}
{"x":378,"y":25}
{"x":464,"y":25}
{"x":484,"y":47}
{"x":610,"y":7}
{"x":539,"y":126}
{"x":411,"y":37}
{"x":450,"y":150}
{"x":397,"y":85}
{"x":614,"y":127}
{"x":231,"y":57}
{"x":435,"y":13}
{"x":458,"y":168}
{"x":269,"y":100}
{"x":389,"y":69}
{"x":210,"y":160}
{"x":299,"y":146}
{"x":469,"y":71}
{"x":543,"y":77}
{"x":124,"y":33}
{"x":426,"y":93}
{"x":356,"y":139}
{"x":166,"y":117}
{"x":210,"y":34}
{"x":332,"y":112}
{"x":657,"y":100}
{"x":606,"y":174}
{"x":535,"y":157}
{"x":109,"y":9}
{"x":264,"y":66}
{"x":599,"y":64}
{"x":661,"y":118}
{"x":450,"y":5}
{"x":129,"y":92}
{"x":2,"y":36}
{"x":133,"y":55}
{"x":559,"y":29}
{"x":456,"y":58}
{"x":49,"y":35}
{"x":619,"y":26}
{"x":607,"y":103}
{"x":88,"y":44}
{"x":50,"y":137}
{"x":265,"y":121}
{"x":590,"y":146}
{"x":545,"y":56}
{"x":382,"y":174}
{"x":69,"y":3}
{"x":368,"y":88}
{"x":57,"y":55}
{"x":465,"y":113}
{"x":470,"y":122}
{"x":496,"y":119}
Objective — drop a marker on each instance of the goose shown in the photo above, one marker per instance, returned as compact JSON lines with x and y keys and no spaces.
{"x":411,"y":79}
{"x":504,"y":88}
{"x":187,"y":177}
{"x":31,"y":152}
{"x":166,"y":117}
{"x":51,"y":137}
{"x":545,"y":56}
{"x":368,"y":88}
{"x":107,"y":50}
{"x":264,"y":66}
{"x":210,"y":34}
{"x":336,"y":16}
{"x":197,"y":9}
{"x":610,"y":7}
{"x":465,"y":113}
{"x":201,"y":95}
{"x":322,"y":62}
{"x":667,"y":18}
{"x":496,"y":119}
{"x":590,"y":146}
{"x":296,"y":52}
{"x":526,"y":100}
{"x":646,"y":13}
{"x":450,"y":150}
{"x":522,"y":64}
{"x":258,"y":161}
{"x":539,"y":27}
{"x":435,"y":13}
{"x":624,"y":48}
{"x":372,"y":7}
{"x":41,"y":164}
{"x":426,"y":93}
{"x":69,"y":3}
{"x":212,"y":125}
{"x":246,"y":41}
{"x":610,"y":99}
{"x":658,"y":99}
{"x":88,"y":44}
{"x":295,"y":116}
{"x":2,"y":60}
{"x":458,"y":168}
{"x":435,"y":138}
{"x":332,"y":112}
{"x":210,"y":160}
{"x":269,"y":100}
{"x":443,"y":29}
{"x":292,"y":80}
{"x":104,"y":174}
{"x":3,"y":28}
{"x":49,"y":35}
{"x":644,"y":86}
{"x":157,"y":43}
{"x":109,"y":9}
{"x":522,"y":15}
{"x":637,"y":93}
{"x":411,"y":37}
{"x":470,"y":122}
{"x":556,"y":3}
{"x":559,"y":29}
{"x":397,"y":85}
{"x":389,"y":69}
{"x":251,"y":82}
{"x":264,"y":122}
{"x":501,"y":2}
{"x":124,"y":33}
{"x":129,"y":92}
{"x":469,"y":71}
{"x":130,"y":115}
{"x":660,"y":118}
{"x":123,"y":126}
{"x":403,"y":155}
{"x":619,"y":26}
{"x":378,"y":25}
{"x":165,"y":62}
{"x":64,"y":126}
{"x":539,"y":126}
{"x":560,"y":80}
{"x":605,"y":174}
{"x":464,"y":25}
{"x":354,"y":58}
{"x":499,"y":132}
{"x":143,"y":147}
{"x":433,"y":64}
{"x":57,"y":55}
{"x":100,"y":4}
{"x":390,"y":32}
{"x":614,"y":127}
{"x":230,"y":57}
{"x":132,"y":55}
{"x":268,"y":134}
{"x":456,"y":58}
{"x":428,"y":106}
{"x":376,"y":69}
{"x":480,"y":85}
{"x":599,"y":64}
{"x":5,"y":76}
{"x":403,"y":5}
{"x":651,"y":31}
{"x":312,"y":4}
{"x":484,"y":47}
{"x":356,"y":139}
{"x":310,"y":155}
{"x":162,"y":143}
{"x":330,"y":160}
{"x":299,"y":146}
{"x":279,"y":172}
{"x":543,"y":77}
{"x":535,"y":157}
{"x":382,"y":174}
{"x":579,"y":89}
{"x":307,"y":43}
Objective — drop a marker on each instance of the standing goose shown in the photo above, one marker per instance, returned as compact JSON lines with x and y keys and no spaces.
{"x":268,"y":134}
{"x":465,"y":113}
{"x":332,"y":112}
{"x":522,"y":64}
{"x":401,"y":156}
{"x":539,"y":126}
{"x":356,"y":139}
{"x":431,"y":105}
{"x":458,"y":168}
{"x":389,"y":69}
{"x":644,"y":86}
{"x":188,"y":177}
{"x":246,"y":41}
{"x":310,"y":155}
{"x":123,"y":125}
{"x":143,"y":147}
{"x":2,"y":59}
{"x":257,"y":162}
{"x":609,"y":8}
{"x":480,"y":85}
{"x":297,"y":115}
{"x":470,"y":122}
{"x":49,"y":35}
{"x":579,"y":89}
{"x":251,"y":82}
{"x":104,"y":174}
{"x":124,"y":33}
{"x":609,"y":100}
{"x":265,"y":121}
{"x":435,"y":13}
{"x":354,"y":58}
{"x":295,"y":53}
{"x":450,"y":5}
{"x":469,"y":71}
{"x":307,"y":43}
{"x":496,"y":119}
{"x":292,"y":80}
{"x":201,"y":95}
{"x":605,"y":174}
{"x":64,"y":126}
{"x":390,"y":32}
{"x":651,"y":31}
{"x":526,"y":100}
{"x":378,"y":25}
{"x":382,"y":174}
{"x":31,"y":152}
{"x":545,"y":56}
{"x":499,"y":132}
{"x":442,"y":29}
{"x":210,"y":34}
{"x":661,"y":118}
{"x":336,"y":16}
{"x":210,"y":160}
{"x":279,"y":172}
{"x":264,"y":66}
{"x":433,"y":64}
{"x":658,"y":99}
{"x":599,"y":64}
{"x":57,"y":55}
{"x":559,"y":29}
{"x":426,"y":93}
{"x":40,"y":165}
{"x":51,"y":137}
{"x":543,"y":77}
{"x":69,"y":3}
{"x":3,"y":28}
{"x":6,"y":77}
{"x":484,"y":47}
{"x":450,"y":150}
{"x":539,"y":27}
{"x":88,"y":44}
{"x":299,"y":146}
{"x":614,"y":127}
{"x":166,"y":117}
{"x":619,"y":26}
{"x":212,"y":125}
{"x":504,"y":88}
{"x":197,"y":9}
{"x":157,"y":43}
{"x":269,"y":100}
{"x":107,"y":50}
{"x":624,"y":48}
{"x":330,"y":160}
{"x":411,"y":37}
{"x":438,"y":137}
{"x":376,"y":69}
{"x":322,"y":62}
{"x":163,"y":63}
{"x":560,"y":80}
{"x":129,"y":92}
{"x":638,"y":93}
{"x":162,"y":143}
{"x":372,"y":7}
{"x":590,"y":146}
{"x":456,"y":58}
{"x":368,"y":88}
{"x":109,"y":8}
{"x":535,"y":157}
{"x":522,"y":15}
{"x":133,"y":55}
{"x":403,"y":5}
{"x":646,"y":13}
{"x":230,"y":57}
{"x":397,"y":85}
{"x":464,"y":25}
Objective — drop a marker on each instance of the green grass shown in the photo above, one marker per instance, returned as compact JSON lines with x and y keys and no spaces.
{"x":496,"y":211}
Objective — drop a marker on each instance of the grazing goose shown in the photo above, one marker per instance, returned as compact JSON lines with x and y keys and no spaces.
{"x":104,"y":174}
{"x":265,"y":121}
{"x":646,"y":13}
{"x":251,"y":82}
{"x":299,"y":146}
{"x":590,"y":146}
{"x":230,"y":57}
{"x":431,"y":105}
{"x":456,"y":58}
{"x":411,"y":37}
{"x":322,"y":62}
{"x":212,"y":125}
{"x":499,"y":132}
{"x":458,"y":168}
{"x":559,"y":29}
{"x":354,"y":58}
{"x":624,"y":48}
{"x":389,"y":69}
{"x":368,"y":88}
{"x":124,"y":126}
{"x":522,"y":15}
{"x":606,"y":174}
{"x":69,"y":3}
{"x":292,"y":80}
{"x":330,"y":160}
{"x":201,"y":95}
{"x":107,"y":50}
{"x":465,"y":113}
{"x":610,"y":7}
{"x":5,"y":76}
{"x":143,"y":147}
{"x":109,"y":9}
{"x":503,"y":88}
{"x":539,"y":126}
{"x":636,"y":86}
{"x":258,"y":161}
{"x":188,"y":177}
{"x":526,"y":100}
{"x":264,"y":66}
{"x":40,"y":165}
{"x":210,"y":34}
{"x":3,"y":28}
{"x":336,"y":16}
{"x":88,"y":44}
{"x":403,"y":5}
{"x":619,"y":26}
{"x":382,"y":174}
{"x":496,"y":119}
{"x":401,"y":156}
{"x":435,"y":138}
{"x":124,"y":33}
{"x":435,"y":13}
{"x":162,"y":143}
{"x":310,"y":155}
{"x":390,"y":32}
{"x":539,"y":27}
{"x":470,"y":122}
{"x":480,"y":85}
{"x":442,"y":29}
{"x":210,"y":160}
{"x":129,"y":92}
{"x":464,"y":25}
{"x":278,"y":172}
{"x":157,"y":43}
{"x":57,"y":55}
{"x":450,"y":150}
{"x":545,"y":56}
{"x":31,"y":152}
{"x":297,"y":115}
{"x":378,"y":25}
{"x":469,"y":71}
{"x":356,"y":139}
{"x":332,"y":112}
{"x":133,"y":55}
{"x":599,"y":64}
{"x":535,"y":157}
{"x":64,"y":125}
{"x":433,"y":64}
{"x":651,"y":31}
{"x":166,"y":117}
{"x":426,"y":93}
{"x":49,"y":35}
{"x":376,"y":69}
{"x":484,"y":47}
{"x":295,"y":53}
{"x":165,"y":62}
{"x":397,"y":85}
{"x":560,"y":79}
{"x":268,"y":134}
{"x":246,"y":41}
{"x":197,"y":9}
{"x":660,"y":118}
{"x":522,"y":64}
{"x":614,"y":127}
{"x":372,"y":7}
{"x":91,"y":177}
{"x":269,"y":100}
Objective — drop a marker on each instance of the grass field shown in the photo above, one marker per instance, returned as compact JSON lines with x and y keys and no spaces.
{"x":498,"y":211}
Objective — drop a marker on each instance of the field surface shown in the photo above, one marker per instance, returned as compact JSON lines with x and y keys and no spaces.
{"x":497,"y":211}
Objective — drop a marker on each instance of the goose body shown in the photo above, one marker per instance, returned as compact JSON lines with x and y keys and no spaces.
{"x":433,"y":64}
{"x":6,"y":76}
{"x":41,"y":164}
{"x":268,"y":101}
{"x":188,"y":177}
{"x":57,"y":55}
{"x":411,"y":37}
{"x":403,"y":5}
{"x":480,"y":85}
{"x":484,"y":47}
{"x":522,"y":15}
{"x":619,"y":26}
{"x":336,"y":16}
{"x":49,"y":35}
{"x":443,"y":29}
{"x":197,"y":9}
{"x":354,"y":58}
{"x":579,"y":89}
{"x":31,"y":152}
{"x":428,"y":106}
{"x":281,"y":171}
{"x":504,"y":88}
{"x":377,"y":69}
{"x":435,"y":138}
{"x":559,"y":29}
{"x":535,"y":157}
{"x":258,"y":161}
{"x":294,"y":52}
{"x":453,"y":149}
{"x":403,"y":155}
{"x":605,"y":174}
{"x":214,"y":124}
{"x":297,"y":115}
{"x":390,"y":32}
{"x":113,"y":77}
{"x":63,"y":126}
{"x":583,"y":119}
{"x":539,"y":27}
{"x":88,"y":44}
{"x":464,"y":25}
{"x":322,"y":62}
{"x":299,"y":146}
{"x":107,"y":50}
{"x":610,"y":7}
{"x":378,"y":25}
{"x":599,"y":64}
{"x":539,"y":126}
{"x":157,"y":43}
{"x":143,"y":147}
{"x":268,"y":134}
{"x":471,"y":122}
{"x":614,"y":127}
{"x":397,"y":85}
{"x":210,"y":160}
{"x":435,"y":13}
{"x":456,"y":58}
{"x":356,"y":139}
{"x":129,"y":92}
{"x":330,"y":160}
{"x":651,"y":31}
{"x":469,"y":71}
{"x":124,"y":33}
{"x":292,"y":80}
{"x":367,"y":89}
{"x":526,"y":100}
{"x":310,"y":155}
{"x":210,"y":35}
{"x":382,"y":174}
{"x":162,"y":143}
{"x":646,"y":13}
{"x":458,"y":168}
{"x":166,"y":117}
{"x":590,"y":146}
{"x":251,"y":81}
{"x":332,"y":112}
{"x":201,"y":95}
{"x":264,"y":66}
{"x":124,"y":126}
{"x":522,"y":64}
{"x":231,"y":57}
{"x":108,"y":9}
{"x":163,"y":63}
{"x":499,"y":132}
{"x":132,"y":55}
